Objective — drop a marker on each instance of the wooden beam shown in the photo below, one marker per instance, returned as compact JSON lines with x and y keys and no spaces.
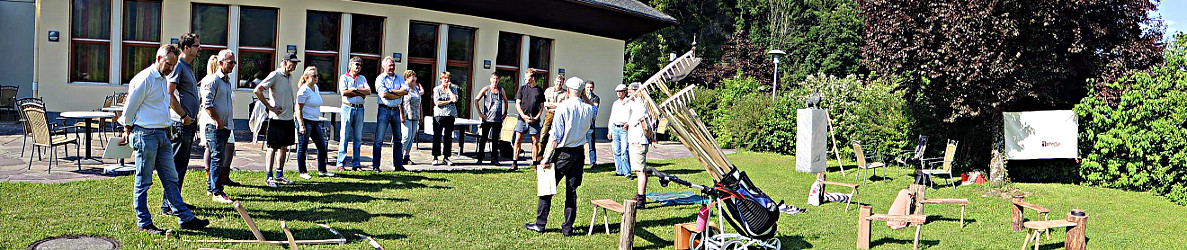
{"x":898,"y":218}
{"x":275,"y":242}
{"x":247,"y":218}
{"x":373,"y":243}
{"x":863,"y":228}
{"x":288,"y":234}
{"x":626,"y":237}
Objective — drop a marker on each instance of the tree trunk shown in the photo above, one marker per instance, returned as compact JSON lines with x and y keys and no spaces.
{"x":997,"y":164}
{"x":626,"y":237}
{"x":1076,"y":236}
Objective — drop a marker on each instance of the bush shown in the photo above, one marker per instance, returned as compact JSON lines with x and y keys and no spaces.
{"x":869,"y":111}
{"x":1137,"y":144}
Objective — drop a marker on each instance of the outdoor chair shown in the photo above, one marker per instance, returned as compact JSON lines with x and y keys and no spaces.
{"x":866,"y":166}
{"x":40,"y":128}
{"x":913,"y":157}
{"x":55,"y":128}
{"x":945,"y":164}
{"x":8,"y":99}
{"x":101,"y":125}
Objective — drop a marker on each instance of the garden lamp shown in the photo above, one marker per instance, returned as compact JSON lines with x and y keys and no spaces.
{"x":775,"y":83}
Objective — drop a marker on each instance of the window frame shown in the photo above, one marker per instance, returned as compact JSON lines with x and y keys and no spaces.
{"x":336,"y":54}
{"x":78,"y":40}
{"x":466,"y":89}
{"x":545,"y":71}
{"x":207,"y":46}
{"x":125,"y":43}
{"x":254,"y":49}
{"x":368,"y":56}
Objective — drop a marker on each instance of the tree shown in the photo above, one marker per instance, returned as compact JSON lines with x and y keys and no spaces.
{"x":970,"y":60}
{"x":820,"y":36}
{"x":709,"y":23}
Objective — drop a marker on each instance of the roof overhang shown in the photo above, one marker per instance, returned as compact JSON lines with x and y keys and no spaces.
{"x":617,"y":19}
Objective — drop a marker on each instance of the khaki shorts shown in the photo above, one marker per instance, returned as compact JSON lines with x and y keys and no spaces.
{"x":638,"y":156}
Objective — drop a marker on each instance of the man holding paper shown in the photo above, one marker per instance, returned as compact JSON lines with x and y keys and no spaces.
{"x":564,"y":156}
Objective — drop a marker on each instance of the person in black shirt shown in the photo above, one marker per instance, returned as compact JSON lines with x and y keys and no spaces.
{"x":529,"y":100}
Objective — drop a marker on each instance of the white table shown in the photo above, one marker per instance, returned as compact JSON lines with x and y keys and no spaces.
{"x":334,"y":111}
{"x":467,"y":124}
{"x":113,"y":109}
{"x":87,"y":116}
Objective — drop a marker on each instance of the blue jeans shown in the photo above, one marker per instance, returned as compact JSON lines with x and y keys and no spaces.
{"x":388,"y":119}
{"x":153,"y":152}
{"x":181,"y":153}
{"x":312,"y":130}
{"x":589,"y":142}
{"x":216,"y":141}
{"x":409,"y":130}
{"x":622,"y":163}
{"x":352,"y":131}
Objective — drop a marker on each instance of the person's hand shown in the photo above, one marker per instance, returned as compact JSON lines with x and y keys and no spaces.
{"x":301,"y":129}
{"x":610,"y":136}
{"x":187,"y":120}
{"x":482,"y":115}
{"x":220,"y":124}
{"x":276,"y":109}
{"x":124,"y":140}
{"x":542,"y":166}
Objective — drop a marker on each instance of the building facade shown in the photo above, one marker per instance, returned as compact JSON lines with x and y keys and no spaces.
{"x":101,"y":44}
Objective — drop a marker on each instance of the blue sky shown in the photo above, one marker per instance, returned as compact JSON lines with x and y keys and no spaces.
{"x":1174,"y":13}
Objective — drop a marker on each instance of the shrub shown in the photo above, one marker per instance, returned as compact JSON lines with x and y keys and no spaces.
{"x":869,"y":111}
{"x":1138,"y":143}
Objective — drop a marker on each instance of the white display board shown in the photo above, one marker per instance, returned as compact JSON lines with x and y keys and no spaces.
{"x":811,"y":152}
{"x":1041,"y":134}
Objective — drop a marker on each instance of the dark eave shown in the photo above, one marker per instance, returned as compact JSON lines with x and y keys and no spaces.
{"x":618,"y":19}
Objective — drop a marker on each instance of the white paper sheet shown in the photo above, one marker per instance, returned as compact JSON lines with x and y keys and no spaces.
{"x":546,"y":181}
{"x":116,"y":151}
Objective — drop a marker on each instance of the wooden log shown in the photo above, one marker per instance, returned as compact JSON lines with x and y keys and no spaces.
{"x":1016,"y":215}
{"x":626,"y":236}
{"x":863,"y":227}
{"x":1077,"y":235}
{"x":250,"y":223}
{"x":918,"y":194}
{"x":288,"y":234}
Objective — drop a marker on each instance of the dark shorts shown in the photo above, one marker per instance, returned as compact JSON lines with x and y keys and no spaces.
{"x":281,"y":133}
{"x":531,"y":129}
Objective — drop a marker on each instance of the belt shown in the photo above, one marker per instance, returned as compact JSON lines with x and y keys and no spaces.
{"x":353,"y":105}
{"x":618,"y":125}
{"x":142,"y":127}
{"x":388,"y":107}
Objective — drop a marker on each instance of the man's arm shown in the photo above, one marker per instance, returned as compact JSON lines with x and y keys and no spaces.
{"x":504,"y":94}
{"x":259,"y":92}
{"x":175,"y":105}
{"x":209,"y":91}
{"x":132,"y":106}
{"x":478,"y":99}
{"x":519,"y":107}
{"x":555,"y":135}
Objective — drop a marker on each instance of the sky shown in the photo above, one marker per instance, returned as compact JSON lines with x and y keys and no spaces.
{"x":1174,"y":13}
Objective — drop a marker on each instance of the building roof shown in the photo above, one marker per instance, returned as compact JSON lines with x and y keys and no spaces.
{"x":618,"y":19}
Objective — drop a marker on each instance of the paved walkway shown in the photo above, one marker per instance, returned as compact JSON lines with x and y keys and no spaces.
{"x":15,"y":167}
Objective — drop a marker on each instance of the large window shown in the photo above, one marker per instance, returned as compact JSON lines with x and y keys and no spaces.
{"x":90,"y":40}
{"x":257,"y":44}
{"x":422,"y":54}
{"x":211,"y":23}
{"x":460,"y":64}
{"x":540,"y":58}
{"x":366,"y":42}
{"x":142,"y":36}
{"x":322,"y":32}
{"x":507,"y":62}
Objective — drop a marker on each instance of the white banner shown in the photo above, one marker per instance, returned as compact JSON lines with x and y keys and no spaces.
{"x":1041,"y":134}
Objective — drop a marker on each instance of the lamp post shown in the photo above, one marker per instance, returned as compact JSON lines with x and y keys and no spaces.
{"x":775,"y":82}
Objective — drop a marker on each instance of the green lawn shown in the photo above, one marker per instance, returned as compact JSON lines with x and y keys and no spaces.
{"x":486,"y":210}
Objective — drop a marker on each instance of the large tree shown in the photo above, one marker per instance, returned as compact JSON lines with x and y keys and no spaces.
{"x":969,"y":60}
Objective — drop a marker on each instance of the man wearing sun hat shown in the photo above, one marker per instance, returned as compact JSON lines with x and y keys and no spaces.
{"x":618,"y":115}
{"x":566,"y":152}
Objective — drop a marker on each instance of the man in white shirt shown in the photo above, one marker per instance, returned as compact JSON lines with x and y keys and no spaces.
{"x":639,"y":135}
{"x":571,"y":119}
{"x":146,"y":121}
{"x":281,"y":128}
{"x":618,"y":115}
{"x":354,"y":89}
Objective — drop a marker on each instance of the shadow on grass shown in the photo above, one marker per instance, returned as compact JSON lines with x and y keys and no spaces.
{"x":300,"y":230}
{"x":323,"y":199}
{"x":934,"y":218}
{"x":323,"y":214}
{"x":388,"y":181}
{"x":905,"y":243}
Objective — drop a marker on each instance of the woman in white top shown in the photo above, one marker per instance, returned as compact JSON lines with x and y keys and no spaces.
{"x":309,"y":125}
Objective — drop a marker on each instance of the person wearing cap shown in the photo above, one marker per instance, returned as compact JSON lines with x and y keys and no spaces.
{"x":552,"y":97}
{"x":565,"y":151}
{"x":279,"y":101}
{"x":391,"y":89}
{"x":639,"y":136}
{"x":354,"y":89}
{"x":618,"y":143}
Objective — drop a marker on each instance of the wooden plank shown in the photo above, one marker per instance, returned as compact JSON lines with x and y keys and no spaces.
{"x":608,"y":204}
{"x":1028,"y":205}
{"x":250,"y":223}
{"x":1016,"y":216}
{"x":373,"y":243}
{"x":946,"y":201}
{"x":1048,"y":224}
{"x":841,"y":184}
{"x":898,"y":218}
{"x":288,"y":234}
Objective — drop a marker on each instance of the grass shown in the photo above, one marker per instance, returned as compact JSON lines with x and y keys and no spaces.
{"x":486,"y":210}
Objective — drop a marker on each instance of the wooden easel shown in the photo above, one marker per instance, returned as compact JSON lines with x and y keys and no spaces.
{"x":832,"y":134}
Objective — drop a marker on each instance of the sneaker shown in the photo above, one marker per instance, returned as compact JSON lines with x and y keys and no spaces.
{"x":495,"y":163}
{"x":151,"y":229}
{"x":306,"y":176}
{"x":448,"y":163}
{"x":376,"y":169}
{"x":284,"y":181}
{"x":221,"y":198}
{"x":271,"y":182}
{"x":195,"y":224}
{"x":436,"y":162}
{"x":325,"y":174}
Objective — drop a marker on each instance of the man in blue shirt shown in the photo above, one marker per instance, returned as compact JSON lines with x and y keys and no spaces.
{"x":183,"y":102}
{"x":391,"y":89}
{"x":354,"y":90}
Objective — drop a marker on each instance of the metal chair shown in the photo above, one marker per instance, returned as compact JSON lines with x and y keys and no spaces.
{"x":946,"y":167}
{"x":914,"y":156}
{"x":864,"y":166}
{"x":8,"y":98}
{"x":40,"y":129}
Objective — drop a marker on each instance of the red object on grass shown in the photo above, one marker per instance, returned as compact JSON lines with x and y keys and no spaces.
{"x":964,"y":177}
{"x":980,"y":180}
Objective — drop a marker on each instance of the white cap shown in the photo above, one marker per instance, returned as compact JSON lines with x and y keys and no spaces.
{"x":621,"y":87}
{"x":574,"y":83}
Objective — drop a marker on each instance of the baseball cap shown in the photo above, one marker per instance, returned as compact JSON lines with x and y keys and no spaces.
{"x":292,"y":57}
{"x":574,"y":83}
{"x":635,"y":85}
{"x":620,"y":87}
